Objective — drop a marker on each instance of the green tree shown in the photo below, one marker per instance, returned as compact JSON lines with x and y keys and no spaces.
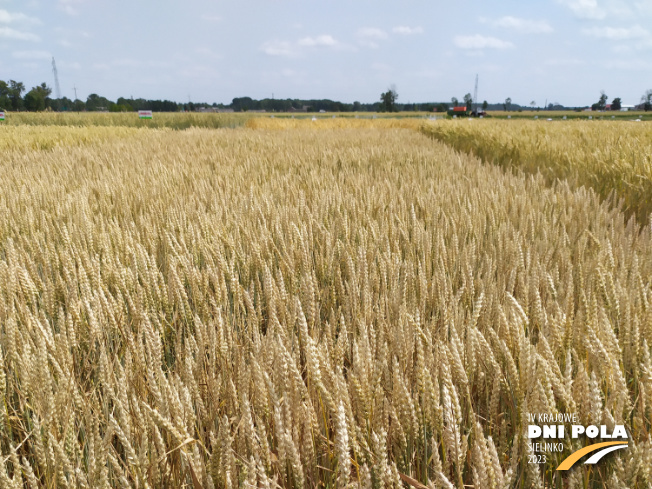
{"x":485,"y":104}
{"x":239,"y":104}
{"x":455,"y":102}
{"x":646,"y":99}
{"x":5,"y":101}
{"x":35,"y":99}
{"x":95,"y":102}
{"x":468,"y":101}
{"x":507,"y":104}
{"x":78,"y":105}
{"x":125,"y":102}
{"x":119,"y":108}
{"x":388,"y":100}
{"x":58,"y":104}
{"x":616,"y":104}
{"x":16,"y":90}
{"x":602,"y":103}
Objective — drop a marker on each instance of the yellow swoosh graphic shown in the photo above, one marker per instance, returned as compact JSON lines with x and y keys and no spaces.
{"x":575,"y":456}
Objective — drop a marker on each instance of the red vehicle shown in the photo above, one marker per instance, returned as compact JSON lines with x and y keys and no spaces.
{"x":460,"y":111}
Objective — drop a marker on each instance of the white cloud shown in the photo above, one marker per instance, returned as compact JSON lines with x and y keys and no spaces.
{"x":17,"y":18}
{"x":406,"y":30}
{"x":618,"y":33}
{"x":9,"y":33}
{"x":369,"y":43}
{"x":8,"y":18}
{"x":647,"y":45}
{"x":585,"y":9}
{"x":293,"y":49}
{"x":279,"y":48}
{"x":69,"y":6}
{"x":31,"y":55}
{"x":323,"y":40}
{"x":481,"y":42}
{"x":372,"y":33}
{"x":644,"y":6}
{"x":522,"y":25}
{"x":369,"y":36}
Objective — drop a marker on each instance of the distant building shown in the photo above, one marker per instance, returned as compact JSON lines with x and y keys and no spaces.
{"x":302,"y":109}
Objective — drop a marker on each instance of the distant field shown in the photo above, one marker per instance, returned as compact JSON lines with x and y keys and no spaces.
{"x":172,"y":120}
{"x":286,"y":123}
{"x":342,"y":303}
{"x":182,"y":120}
{"x":571,"y":114}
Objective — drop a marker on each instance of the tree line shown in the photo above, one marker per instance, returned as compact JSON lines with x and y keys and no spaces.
{"x":15,"y":97}
{"x":616,"y":103}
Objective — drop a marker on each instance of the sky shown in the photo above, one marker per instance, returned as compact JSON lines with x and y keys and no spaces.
{"x":559,"y":51}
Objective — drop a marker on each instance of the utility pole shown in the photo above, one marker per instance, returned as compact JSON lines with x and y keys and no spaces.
{"x":57,"y":88}
{"x":475,"y":94}
{"x":75,"y":89}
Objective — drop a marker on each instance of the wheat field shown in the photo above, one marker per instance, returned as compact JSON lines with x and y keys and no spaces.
{"x":173,"y":120}
{"x":322,"y":306}
{"x":611,"y":157}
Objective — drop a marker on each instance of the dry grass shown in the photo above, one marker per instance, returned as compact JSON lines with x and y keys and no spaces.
{"x":606,"y":156}
{"x":309,"y":308}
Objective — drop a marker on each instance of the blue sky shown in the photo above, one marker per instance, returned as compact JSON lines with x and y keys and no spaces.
{"x":562,"y":51}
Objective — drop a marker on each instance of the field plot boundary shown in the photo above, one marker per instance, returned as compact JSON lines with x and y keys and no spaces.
{"x":616,"y":164}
